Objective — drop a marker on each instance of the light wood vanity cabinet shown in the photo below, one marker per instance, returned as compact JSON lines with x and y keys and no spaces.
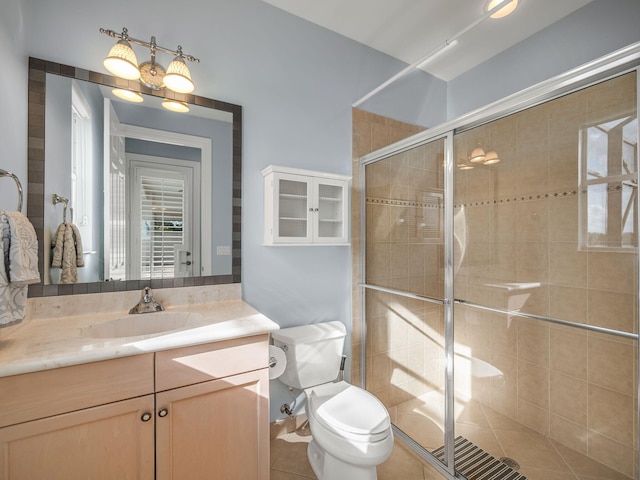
{"x":195,"y":412}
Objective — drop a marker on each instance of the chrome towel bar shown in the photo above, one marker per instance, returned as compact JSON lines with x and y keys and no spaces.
{"x":4,"y":173}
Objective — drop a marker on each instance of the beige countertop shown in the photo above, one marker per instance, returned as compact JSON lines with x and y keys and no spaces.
{"x":45,"y":343}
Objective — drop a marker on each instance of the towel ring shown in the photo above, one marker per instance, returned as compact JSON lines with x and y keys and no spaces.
{"x":4,"y":173}
{"x":58,"y":199}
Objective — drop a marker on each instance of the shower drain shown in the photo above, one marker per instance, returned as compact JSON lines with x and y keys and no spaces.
{"x":510,"y":462}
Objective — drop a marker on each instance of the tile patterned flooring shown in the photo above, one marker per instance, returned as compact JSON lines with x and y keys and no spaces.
{"x":540,"y":458}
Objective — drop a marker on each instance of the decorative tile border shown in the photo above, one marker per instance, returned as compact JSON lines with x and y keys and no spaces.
{"x":617,"y":187}
{"x":35,"y":190}
{"x":522,"y":198}
{"x":401,"y":203}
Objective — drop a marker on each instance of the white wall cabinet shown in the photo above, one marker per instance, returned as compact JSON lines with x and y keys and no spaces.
{"x":197,"y":412}
{"x":303,"y":207}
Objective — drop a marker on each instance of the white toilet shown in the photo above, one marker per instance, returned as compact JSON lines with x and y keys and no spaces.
{"x":350,"y":427}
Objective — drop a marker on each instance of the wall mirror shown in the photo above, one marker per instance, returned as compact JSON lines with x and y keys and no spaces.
{"x":155,"y":194}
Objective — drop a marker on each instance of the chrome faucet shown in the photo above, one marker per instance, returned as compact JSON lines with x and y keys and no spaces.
{"x":147,"y":303}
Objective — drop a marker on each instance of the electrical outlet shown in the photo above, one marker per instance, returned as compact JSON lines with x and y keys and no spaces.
{"x":223,"y":250}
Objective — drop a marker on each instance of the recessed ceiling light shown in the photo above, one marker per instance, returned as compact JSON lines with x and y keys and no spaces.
{"x":509,"y":7}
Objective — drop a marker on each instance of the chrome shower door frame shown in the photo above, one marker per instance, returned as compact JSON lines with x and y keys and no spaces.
{"x":622,"y":61}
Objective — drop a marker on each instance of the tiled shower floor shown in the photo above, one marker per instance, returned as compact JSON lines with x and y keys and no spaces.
{"x":540,"y":458}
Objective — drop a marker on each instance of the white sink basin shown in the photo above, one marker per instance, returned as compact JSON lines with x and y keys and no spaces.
{"x":143,"y":324}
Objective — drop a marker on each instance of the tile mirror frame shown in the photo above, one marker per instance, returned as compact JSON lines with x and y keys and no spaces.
{"x":38,"y":70}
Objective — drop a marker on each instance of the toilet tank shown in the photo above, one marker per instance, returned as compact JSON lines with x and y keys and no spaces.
{"x":313,"y":352}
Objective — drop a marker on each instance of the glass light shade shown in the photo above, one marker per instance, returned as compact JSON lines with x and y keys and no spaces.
{"x":175,"y":105}
{"x":464,"y":166}
{"x":477,"y":155}
{"x":122,"y":61}
{"x":178,"y":77}
{"x":509,"y":7}
{"x":127,"y":95}
{"x":492,"y":157}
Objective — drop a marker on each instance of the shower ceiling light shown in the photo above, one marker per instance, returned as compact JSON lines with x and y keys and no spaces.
{"x":122,"y":62}
{"x":509,"y":7}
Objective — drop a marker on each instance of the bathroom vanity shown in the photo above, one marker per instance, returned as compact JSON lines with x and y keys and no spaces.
{"x":196,"y":410}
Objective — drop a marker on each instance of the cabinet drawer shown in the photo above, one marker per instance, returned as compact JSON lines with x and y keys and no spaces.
{"x":51,"y":392}
{"x":201,"y":363}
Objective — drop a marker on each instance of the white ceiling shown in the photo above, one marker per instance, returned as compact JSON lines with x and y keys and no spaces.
{"x":411,"y":29}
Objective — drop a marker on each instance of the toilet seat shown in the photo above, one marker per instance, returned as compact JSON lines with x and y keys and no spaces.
{"x":349,"y":411}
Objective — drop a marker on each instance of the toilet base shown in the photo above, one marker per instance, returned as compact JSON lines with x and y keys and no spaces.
{"x":327,"y":467}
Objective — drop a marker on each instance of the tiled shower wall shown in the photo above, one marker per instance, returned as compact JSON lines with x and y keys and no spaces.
{"x":370,"y":132}
{"x":519,"y":249}
{"x":522,"y":250}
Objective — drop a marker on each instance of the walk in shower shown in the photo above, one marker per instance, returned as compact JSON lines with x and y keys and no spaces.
{"x":499,"y":286}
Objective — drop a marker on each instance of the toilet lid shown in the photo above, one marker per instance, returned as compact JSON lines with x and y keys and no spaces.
{"x":340,"y":406}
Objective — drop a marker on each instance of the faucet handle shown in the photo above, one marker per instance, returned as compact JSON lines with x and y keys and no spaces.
{"x":147,"y":295}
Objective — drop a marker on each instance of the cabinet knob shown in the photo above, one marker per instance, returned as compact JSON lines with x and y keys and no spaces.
{"x":311,"y":209}
{"x":316,"y":209}
{"x":146,"y":416}
{"x":163,"y":413}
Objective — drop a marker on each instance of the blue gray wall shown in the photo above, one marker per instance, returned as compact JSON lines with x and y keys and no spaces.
{"x":596,"y":29}
{"x":13,"y":97}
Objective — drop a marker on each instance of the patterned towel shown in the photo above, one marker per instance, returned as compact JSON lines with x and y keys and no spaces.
{"x":19,"y":265}
{"x":67,"y":252}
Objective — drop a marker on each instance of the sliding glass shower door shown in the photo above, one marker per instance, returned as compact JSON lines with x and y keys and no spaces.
{"x":405,"y":334}
{"x":529,"y":293}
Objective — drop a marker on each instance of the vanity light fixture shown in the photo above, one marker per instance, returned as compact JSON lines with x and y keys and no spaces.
{"x":127,"y":95}
{"x":178,"y":76}
{"x":122,"y":62}
{"x":509,"y":7}
{"x":477,"y":154}
{"x":175,"y":105}
{"x":491,"y":158}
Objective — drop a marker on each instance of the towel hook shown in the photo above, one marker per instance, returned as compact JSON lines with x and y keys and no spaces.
{"x":4,"y":173}
{"x":58,"y":199}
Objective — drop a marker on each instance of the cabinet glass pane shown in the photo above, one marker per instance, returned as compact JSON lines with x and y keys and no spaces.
{"x":292,"y":221}
{"x":330,"y":206}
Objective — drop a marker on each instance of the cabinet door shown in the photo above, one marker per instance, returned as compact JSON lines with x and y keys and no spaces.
{"x":293,"y":208}
{"x":217,"y":430}
{"x":330,"y":211}
{"x":101,"y":443}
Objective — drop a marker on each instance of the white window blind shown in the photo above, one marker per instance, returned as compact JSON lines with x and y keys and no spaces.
{"x":118,"y":224}
{"x":162,"y":212}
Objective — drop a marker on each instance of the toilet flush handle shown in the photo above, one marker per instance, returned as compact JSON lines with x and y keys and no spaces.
{"x":344,"y":359}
